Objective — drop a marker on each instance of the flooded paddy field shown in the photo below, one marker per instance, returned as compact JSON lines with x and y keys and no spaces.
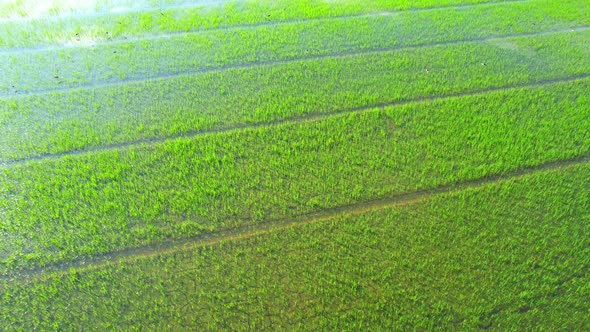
{"x":295,"y":165}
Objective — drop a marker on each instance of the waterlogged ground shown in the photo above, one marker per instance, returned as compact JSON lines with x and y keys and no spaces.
{"x":295,"y":165}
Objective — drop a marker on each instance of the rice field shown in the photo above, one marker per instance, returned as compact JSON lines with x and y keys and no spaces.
{"x":295,"y":165}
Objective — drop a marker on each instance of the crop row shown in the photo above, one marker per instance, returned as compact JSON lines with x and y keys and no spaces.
{"x":79,"y":119}
{"x":85,"y":204}
{"x":231,"y":13}
{"x":512,"y":255}
{"x":111,"y":62}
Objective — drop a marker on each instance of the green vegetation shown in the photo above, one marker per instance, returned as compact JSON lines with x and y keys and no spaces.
{"x":182,"y":53}
{"x":511,"y":255}
{"x":138,"y":195}
{"x":30,"y":33}
{"x":64,"y":121}
{"x":295,"y":165}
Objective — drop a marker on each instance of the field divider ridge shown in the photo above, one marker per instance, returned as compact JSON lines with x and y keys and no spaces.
{"x":103,"y":260}
{"x":290,"y":120}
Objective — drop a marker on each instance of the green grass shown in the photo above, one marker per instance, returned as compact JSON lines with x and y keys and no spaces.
{"x":509,"y":255}
{"x":180,"y":53}
{"x":77,"y":119}
{"x":184,"y":187}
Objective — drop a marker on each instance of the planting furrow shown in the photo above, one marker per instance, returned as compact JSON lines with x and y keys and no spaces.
{"x":168,"y":247}
{"x":140,"y":195}
{"x":288,"y":121}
